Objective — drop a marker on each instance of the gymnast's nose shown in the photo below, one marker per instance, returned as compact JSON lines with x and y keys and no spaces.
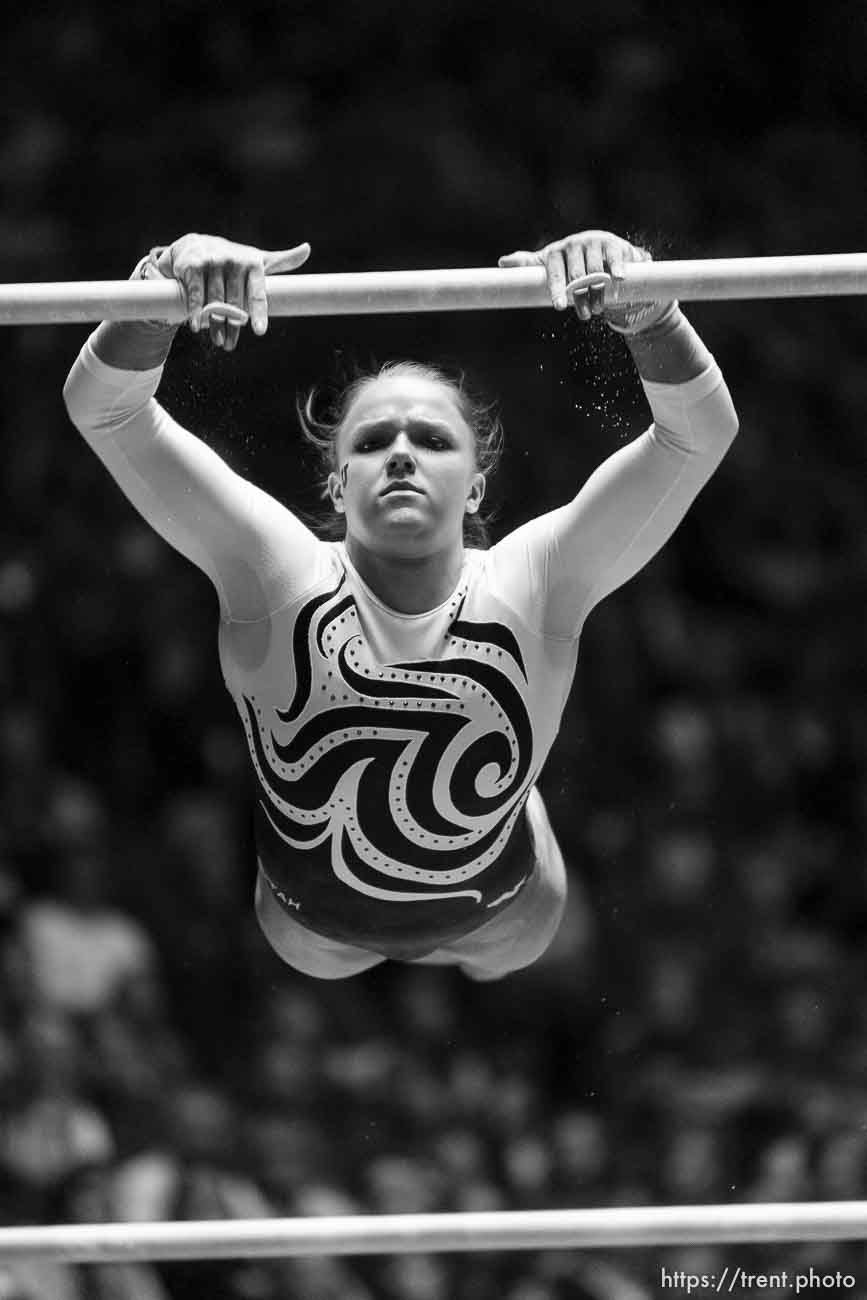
{"x":400,"y":460}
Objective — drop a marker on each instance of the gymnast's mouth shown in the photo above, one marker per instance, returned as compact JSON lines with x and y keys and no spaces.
{"x":400,"y":485}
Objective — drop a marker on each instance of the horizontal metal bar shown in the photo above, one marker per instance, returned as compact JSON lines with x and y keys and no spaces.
{"x":400,"y":1234}
{"x":468,"y":289}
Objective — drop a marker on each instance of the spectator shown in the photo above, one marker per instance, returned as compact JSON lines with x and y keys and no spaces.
{"x":47,"y":1129}
{"x":76,"y":949}
{"x":193,"y":1174}
{"x":85,"y":1196}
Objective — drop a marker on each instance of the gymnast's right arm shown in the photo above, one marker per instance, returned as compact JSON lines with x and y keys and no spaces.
{"x":255,"y":551}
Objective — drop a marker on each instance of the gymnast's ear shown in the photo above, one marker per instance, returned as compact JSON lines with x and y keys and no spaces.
{"x":476,"y":494}
{"x":335,"y":491}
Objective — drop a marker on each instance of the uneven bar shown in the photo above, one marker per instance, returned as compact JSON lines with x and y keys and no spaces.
{"x":402,"y":1234}
{"x":479,"y":289}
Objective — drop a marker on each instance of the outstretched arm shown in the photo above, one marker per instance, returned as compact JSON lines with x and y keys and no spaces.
{"x":633,"y":502}
{"x":257,"y":554}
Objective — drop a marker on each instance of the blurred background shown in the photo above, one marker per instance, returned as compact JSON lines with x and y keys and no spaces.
{"x":699,"y":1031}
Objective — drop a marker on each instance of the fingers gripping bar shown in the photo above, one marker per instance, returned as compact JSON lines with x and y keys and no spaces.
{"x":584,"y":283}
{"x":223,"y":311}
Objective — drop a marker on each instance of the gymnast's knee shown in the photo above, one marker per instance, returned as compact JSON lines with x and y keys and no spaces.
{"x":487,"y":974}
{"x":519,"y":952}
{"x":325,"y":968}
{"x":304,"y":950}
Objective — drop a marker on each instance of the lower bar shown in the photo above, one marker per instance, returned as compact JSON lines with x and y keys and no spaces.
{"x":404,"y":1234}
{"x":474,"y":289}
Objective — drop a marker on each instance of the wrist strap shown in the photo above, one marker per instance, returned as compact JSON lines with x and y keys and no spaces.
{"x":635,"y":318}
{"x":146,"y":268}
{"x":631,"y":317}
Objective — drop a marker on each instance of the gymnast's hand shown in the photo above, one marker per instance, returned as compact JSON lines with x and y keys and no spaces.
{"x":214,"y":270}
{"x":587,"y":253}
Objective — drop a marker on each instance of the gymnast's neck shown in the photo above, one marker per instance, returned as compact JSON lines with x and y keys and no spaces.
{"x":408,"y":584}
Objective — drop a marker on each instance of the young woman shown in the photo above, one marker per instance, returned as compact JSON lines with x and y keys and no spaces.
{"x":400,"y":690}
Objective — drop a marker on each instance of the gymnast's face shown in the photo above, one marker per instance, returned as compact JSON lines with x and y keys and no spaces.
{"x":408,"y":470}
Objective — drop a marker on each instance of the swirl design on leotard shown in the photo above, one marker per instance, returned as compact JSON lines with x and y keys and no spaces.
{"x":412,"y":774}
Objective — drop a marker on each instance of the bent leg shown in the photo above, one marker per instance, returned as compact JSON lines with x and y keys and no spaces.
{"x":303,"y":949}
{"x":525,"y":928}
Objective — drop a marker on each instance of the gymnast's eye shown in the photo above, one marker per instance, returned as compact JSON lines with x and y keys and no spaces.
{"x":371,"y":442}
{"x":426,"y":435}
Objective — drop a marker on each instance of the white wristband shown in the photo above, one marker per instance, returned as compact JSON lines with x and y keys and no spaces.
{"x":634,"y":318}
{"x":631,"y":317}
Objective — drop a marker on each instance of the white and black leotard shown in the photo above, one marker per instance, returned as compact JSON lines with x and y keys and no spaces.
{"x":394,"y":753}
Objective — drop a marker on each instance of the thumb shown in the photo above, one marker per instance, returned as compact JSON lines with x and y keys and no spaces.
{"x":289,"y":259}
{"x":518,"y":259}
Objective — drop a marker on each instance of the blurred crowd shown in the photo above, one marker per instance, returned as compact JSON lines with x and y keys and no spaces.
{"x":698,"y":1033}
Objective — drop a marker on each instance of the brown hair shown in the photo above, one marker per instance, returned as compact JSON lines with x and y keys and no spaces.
{"x":321,"y":421}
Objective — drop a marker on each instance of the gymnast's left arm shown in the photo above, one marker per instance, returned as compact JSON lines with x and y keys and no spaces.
{"x":634,"y":500}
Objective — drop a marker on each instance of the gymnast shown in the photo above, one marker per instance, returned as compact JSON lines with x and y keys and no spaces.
{"x":399,"y":689}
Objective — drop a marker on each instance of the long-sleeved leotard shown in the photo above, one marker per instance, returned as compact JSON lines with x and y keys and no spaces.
{"x":394,"y":753}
